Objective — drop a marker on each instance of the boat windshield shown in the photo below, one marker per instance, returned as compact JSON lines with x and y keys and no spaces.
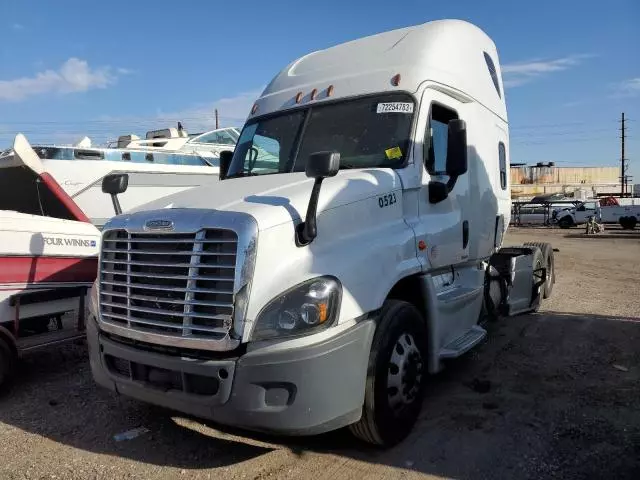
{"x":119,"y":155}
{"x":227,"y":136}
{"x":368,"y":132}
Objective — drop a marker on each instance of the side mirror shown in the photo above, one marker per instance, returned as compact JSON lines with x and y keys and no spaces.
{"x":456,"y":148}
{"x":115,"y":184}
{"x":438,"y":191}
{"x":323,"y":164}
{"x":225,"y":163}
{"x":320,"y":165}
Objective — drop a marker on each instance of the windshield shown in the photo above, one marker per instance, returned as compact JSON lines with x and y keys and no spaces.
{"x":367,"y":132}
{"x":228,"y":136}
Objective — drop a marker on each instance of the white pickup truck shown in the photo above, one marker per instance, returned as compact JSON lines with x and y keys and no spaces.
{"x":625,"y":215}
{"x":318,"y":284}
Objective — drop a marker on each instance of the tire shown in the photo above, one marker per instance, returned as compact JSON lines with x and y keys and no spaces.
{"x":7,"y":363}
{"x":565,"y":222}
{"x":538,"y":262}
{"x":549,"y":264}
{"x":628,"y":223}
{"x":491,"y":312}
{"x":400,"y":338}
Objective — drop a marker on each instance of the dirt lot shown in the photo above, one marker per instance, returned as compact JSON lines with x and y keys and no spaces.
{"x":552,"y":395}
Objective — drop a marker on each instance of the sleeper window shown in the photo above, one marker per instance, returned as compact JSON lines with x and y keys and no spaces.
{"x":502,"y":157}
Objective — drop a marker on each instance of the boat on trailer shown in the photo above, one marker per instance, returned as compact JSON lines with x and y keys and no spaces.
{"x":48,"y":261}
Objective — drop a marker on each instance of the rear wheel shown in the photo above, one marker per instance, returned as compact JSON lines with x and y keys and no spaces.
{"x":395,"y":376}
{"x":537,"y":280}
{"x":628,"y":223}
{"x":549,"y":264}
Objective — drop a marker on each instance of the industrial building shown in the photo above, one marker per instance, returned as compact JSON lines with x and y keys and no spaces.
{"x":527,"y":181}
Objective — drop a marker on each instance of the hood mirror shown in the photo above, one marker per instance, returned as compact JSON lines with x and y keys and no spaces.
{"x":114,"y":185}
{"x":320,"y":165}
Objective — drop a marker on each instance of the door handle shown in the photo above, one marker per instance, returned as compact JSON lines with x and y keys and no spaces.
{"x":465,"y":233}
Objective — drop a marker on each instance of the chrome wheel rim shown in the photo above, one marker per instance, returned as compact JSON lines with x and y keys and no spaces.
{"x":404,"y":373}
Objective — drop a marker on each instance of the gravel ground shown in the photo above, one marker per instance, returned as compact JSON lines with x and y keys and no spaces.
{"x":551,"y":395}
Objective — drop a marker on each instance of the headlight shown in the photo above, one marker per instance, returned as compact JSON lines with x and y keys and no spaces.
{"x":306,"y":308}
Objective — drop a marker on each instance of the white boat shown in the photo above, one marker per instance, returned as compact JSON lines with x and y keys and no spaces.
{"x":154,"y":172}
{"x":208,"y":144}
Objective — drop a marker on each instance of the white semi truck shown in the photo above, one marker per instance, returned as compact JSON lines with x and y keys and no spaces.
{"x":318,"y":284}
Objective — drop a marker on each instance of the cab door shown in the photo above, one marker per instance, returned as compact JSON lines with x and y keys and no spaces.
{"x":444,"y":226}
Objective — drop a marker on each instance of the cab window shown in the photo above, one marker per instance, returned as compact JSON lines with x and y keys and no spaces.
{"x":436,"y":137}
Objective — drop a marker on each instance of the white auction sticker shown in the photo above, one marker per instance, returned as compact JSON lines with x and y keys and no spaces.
{"x":395,"y":107}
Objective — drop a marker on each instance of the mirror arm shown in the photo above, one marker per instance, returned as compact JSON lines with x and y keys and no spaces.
{"x":308,"y":230}
{"x":116,"y":204}
{"x":451,"y":183}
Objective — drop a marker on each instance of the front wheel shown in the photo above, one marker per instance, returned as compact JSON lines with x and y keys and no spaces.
{"x":565,"y":222}
{"x":395,"y":376}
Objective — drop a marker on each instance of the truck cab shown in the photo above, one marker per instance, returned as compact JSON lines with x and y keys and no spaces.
{"x":352,"y":246}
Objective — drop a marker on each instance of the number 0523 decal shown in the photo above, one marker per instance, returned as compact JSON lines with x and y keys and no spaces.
{"x":386,"y":200}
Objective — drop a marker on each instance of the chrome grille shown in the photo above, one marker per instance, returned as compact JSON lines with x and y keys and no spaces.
{"x":178,"y":284}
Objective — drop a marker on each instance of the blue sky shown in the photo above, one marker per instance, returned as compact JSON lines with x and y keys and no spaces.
{"x":68,"y":69}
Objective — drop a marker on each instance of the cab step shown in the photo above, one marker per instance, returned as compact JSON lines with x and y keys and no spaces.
{"x":463,"y":343}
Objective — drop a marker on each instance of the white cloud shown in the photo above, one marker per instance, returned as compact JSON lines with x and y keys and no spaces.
{"x":519,"y":73}
{"x":232,"y":111}
{"x":74,"y":75}
{"x":628,"y":88}
{"x":17,"y":26}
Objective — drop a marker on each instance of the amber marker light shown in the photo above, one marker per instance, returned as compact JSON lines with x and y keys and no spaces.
{"x":322,"y":312}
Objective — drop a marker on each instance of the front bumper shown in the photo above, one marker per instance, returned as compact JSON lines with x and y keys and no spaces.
{"x":299,"y":391}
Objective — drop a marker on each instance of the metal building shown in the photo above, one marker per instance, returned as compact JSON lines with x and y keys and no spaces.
{"x":581,"y":182}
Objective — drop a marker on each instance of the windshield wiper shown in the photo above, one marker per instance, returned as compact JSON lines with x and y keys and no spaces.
{"x":347,"y":166}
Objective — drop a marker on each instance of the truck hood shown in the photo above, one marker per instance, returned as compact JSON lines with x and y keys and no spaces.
{"x":280,"y":198}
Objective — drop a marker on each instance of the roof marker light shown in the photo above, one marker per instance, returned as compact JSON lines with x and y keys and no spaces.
{"x":314,"y":92}
{"x":254,"y":109}
{"x":298,"y":97}
{"x":330,"y":91}
{"x":395,"y":80}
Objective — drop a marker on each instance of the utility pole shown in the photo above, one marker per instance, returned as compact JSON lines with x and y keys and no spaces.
{"x":623,"y":166}
{"x":217,"y":126}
